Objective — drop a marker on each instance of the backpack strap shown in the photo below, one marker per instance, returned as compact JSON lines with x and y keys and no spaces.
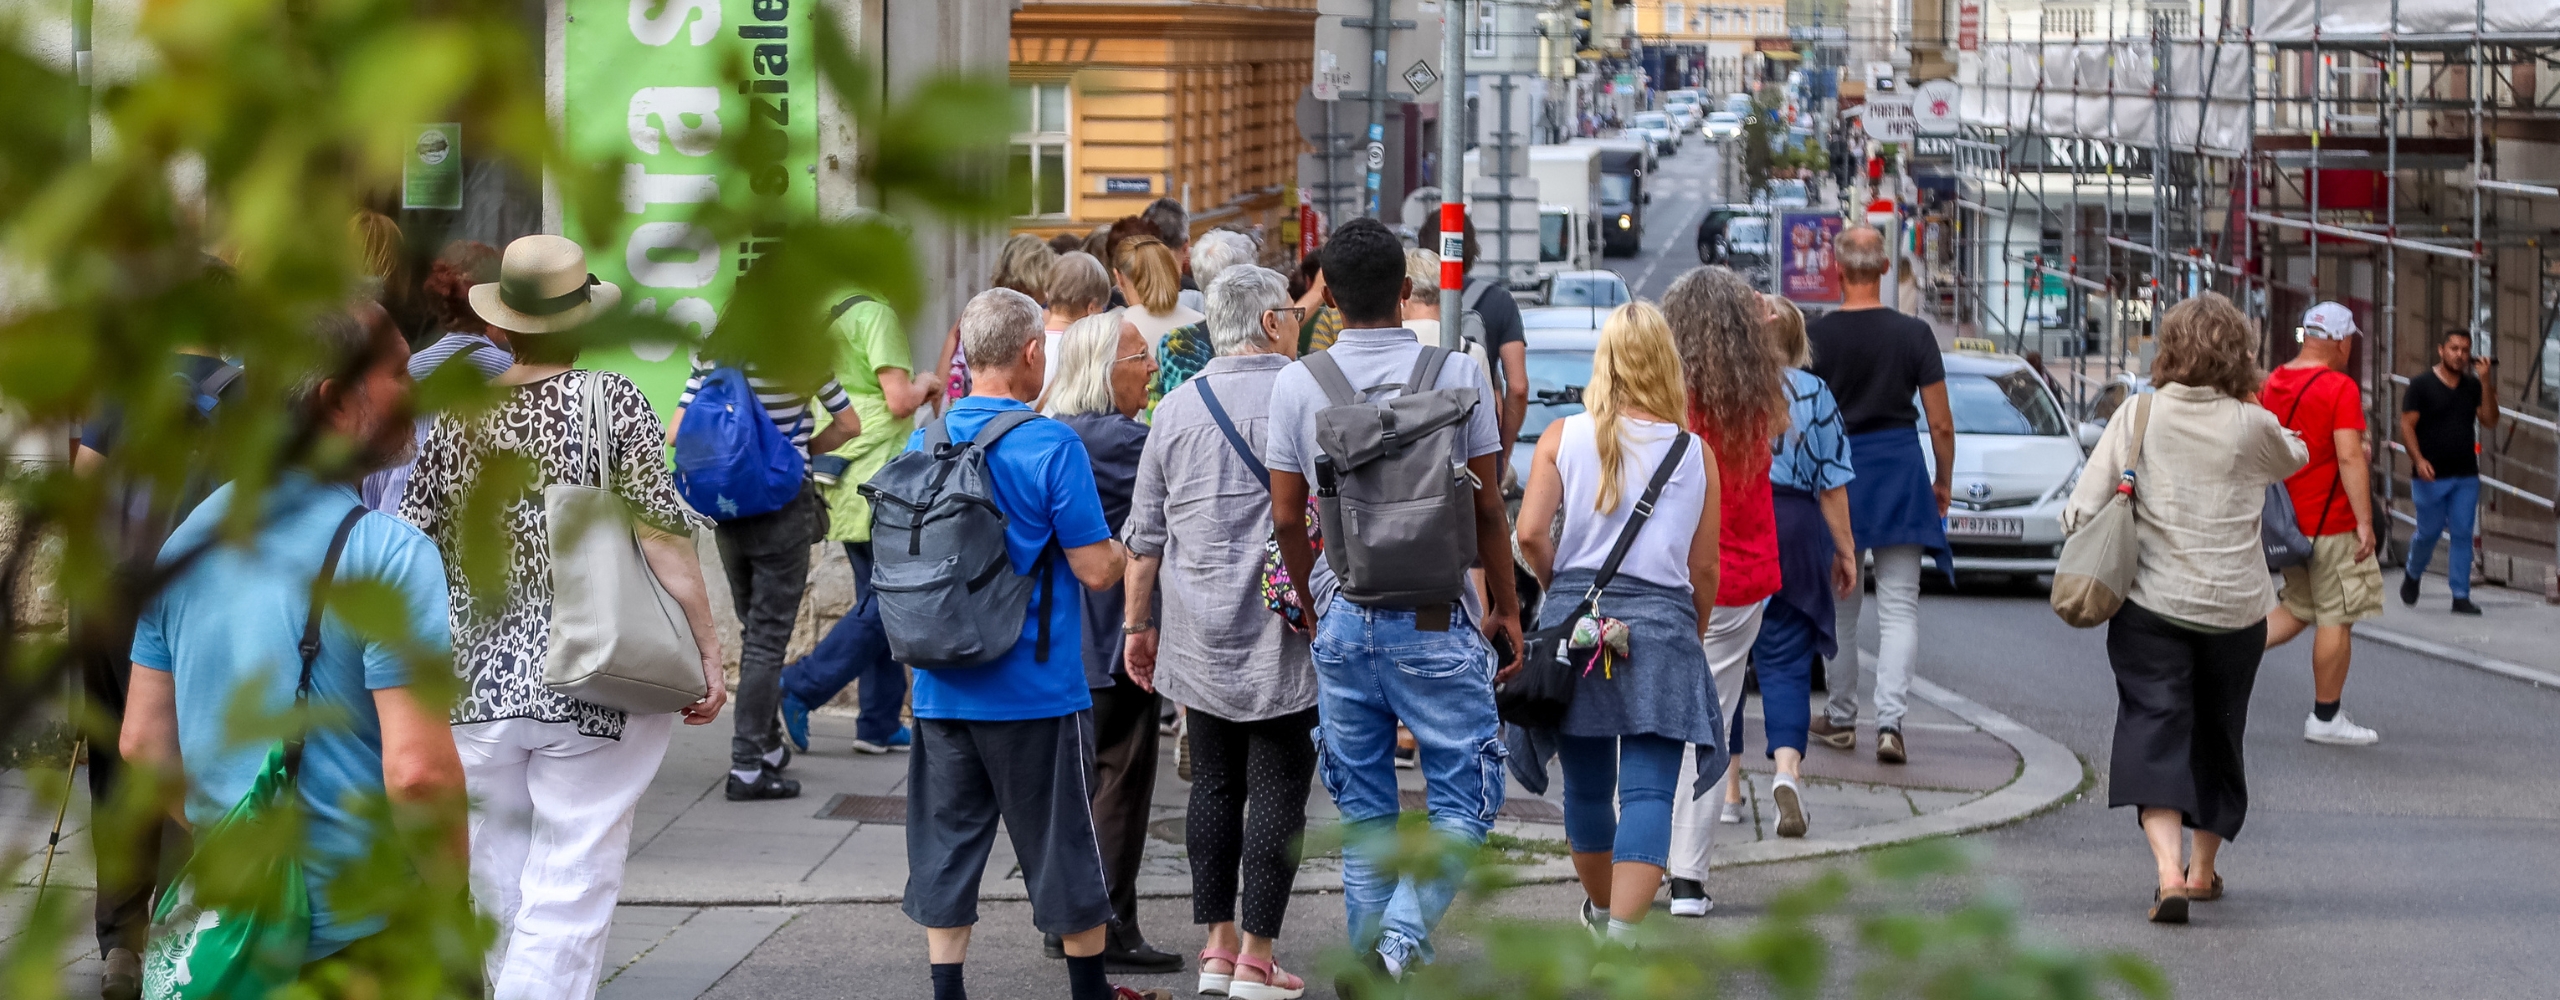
{"x":999,"y":425}
{"x":310,"y":645}
{"x":2335,"y":482}
{"x":1426,"y":370}
{"x":841,"y":307}
{"x":1235,"y":438}
{"x":1329,"y":377}
{"x":1475,"y":292}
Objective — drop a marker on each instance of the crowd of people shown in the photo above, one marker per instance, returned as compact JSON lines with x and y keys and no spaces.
{"x":1263,"y":513}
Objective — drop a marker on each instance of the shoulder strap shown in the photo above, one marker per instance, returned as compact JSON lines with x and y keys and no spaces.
{"x":1329,"y":377}
{"x":2335,"y":482}
{"x":1475,"y":292}
{"x":999,"y":425}
{"x":214,"y":384}
{"x":1426,"y":370}
{"x":1227,"y":427}
{"x":938,"y":432}
{"x":596,"y":413}
{"x":841,"y":307}
{"x":1636,"y":518}
{"x":310,"y":646}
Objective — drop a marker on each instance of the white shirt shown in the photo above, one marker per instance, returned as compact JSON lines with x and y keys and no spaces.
{"x":1660,"y":553}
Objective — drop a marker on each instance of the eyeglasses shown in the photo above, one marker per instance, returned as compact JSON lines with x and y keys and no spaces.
{"x":1292,"y":312}
{"x":1116,"y":362}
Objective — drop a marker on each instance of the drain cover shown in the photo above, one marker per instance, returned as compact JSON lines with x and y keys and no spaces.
{"x":867,"y":809}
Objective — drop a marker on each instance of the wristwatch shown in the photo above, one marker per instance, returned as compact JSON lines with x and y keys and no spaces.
{"x":1133,"y":628}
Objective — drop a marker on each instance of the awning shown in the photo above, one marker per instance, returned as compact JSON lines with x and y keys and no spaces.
{"x":1787,"y":54}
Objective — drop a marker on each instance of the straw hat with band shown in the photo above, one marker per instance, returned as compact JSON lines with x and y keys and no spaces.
{"x":543,"y":286}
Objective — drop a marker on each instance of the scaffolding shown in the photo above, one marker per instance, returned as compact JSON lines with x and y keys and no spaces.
{"x":2400,"y":156}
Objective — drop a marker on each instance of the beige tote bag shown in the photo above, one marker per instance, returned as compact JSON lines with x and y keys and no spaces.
{"x":618,"y":639}
{"x":2098,"y":561}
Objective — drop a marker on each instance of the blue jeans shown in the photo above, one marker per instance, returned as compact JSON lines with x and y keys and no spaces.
{"x":1639,"y":771}
{"x":2448,"y":504}
{"x":1374,"y":669}
{"x":855,"y":650}
{"x":1783,"y":657}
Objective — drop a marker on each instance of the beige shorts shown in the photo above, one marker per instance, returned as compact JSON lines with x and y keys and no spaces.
{"x":2334,"y":588}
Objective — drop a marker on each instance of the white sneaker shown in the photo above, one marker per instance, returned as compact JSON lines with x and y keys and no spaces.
{"x":1790,"y":800}
{"x":1732,"y":813}
{"x":1689,"y":899}
{"x":2338,"y":732}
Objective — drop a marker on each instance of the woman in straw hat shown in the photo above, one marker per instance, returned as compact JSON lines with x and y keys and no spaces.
{"x":536,"y":759}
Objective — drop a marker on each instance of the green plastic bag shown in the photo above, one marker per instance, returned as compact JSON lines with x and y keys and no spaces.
{"x":242,"y":949}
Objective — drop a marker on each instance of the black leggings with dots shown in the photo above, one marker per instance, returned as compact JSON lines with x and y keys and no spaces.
{"x":1269,"y":765}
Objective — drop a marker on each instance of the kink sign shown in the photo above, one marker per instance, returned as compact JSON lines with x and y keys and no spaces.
{"x":664,"y":85}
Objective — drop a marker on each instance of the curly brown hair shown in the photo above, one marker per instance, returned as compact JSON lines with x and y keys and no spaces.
{"x":463,"y":263}
{"x":1737,"y":379}
{"x":2206,"y":341}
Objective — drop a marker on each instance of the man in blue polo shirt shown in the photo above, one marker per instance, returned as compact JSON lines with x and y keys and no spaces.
{"x":1013,"y":739}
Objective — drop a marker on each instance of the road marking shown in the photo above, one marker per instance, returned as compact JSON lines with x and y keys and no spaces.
{"x":2456,"y":654}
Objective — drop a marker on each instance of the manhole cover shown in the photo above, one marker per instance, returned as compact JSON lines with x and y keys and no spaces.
{"x":1523,"y":810}
{"x":867,"y":809}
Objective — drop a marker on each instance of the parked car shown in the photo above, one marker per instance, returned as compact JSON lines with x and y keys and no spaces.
{"x":2016,"y":459}
{"x":1602,"y":289}
{"x":1560,"y":342}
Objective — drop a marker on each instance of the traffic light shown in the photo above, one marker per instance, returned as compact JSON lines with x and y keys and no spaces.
{"x":1581,"y":25}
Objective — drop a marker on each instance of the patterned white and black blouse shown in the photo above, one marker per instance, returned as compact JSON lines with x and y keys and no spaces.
{"x":502,"y":627}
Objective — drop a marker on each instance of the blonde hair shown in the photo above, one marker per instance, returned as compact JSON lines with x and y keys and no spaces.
{"x":1635,"y":367}
{"x":1153,"y":273}
{"x":1085,"y":353}
{"x":1786,"y":332}
{"x":2206,"y":341}
{"x":1422,"y":267}
{"x":378,"y":245}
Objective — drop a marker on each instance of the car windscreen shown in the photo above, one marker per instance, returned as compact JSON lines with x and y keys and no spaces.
{"x":1617,"y":187}
{"x":1749,"y":230}
{"x":2011,"y":402}
{"x":1551,"y":236}
{"x":1653,"y":121}
{"x":1556,"y":379}
{"x":1587,"y":292}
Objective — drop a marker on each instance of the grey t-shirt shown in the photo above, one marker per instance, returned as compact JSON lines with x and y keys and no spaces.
{"x":1367,"y":358}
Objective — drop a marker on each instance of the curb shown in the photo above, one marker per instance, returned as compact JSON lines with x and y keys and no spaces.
{"x":2048,"y":773}
{"x":2458,"y":655}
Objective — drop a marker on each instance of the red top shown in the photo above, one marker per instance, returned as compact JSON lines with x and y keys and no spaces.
{"x":1746,"y":523}
{"x":2316,"y":401}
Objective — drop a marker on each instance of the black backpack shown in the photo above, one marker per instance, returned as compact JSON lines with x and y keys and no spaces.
{"x":946,"y":587}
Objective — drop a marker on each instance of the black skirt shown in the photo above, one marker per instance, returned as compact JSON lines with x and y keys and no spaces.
{"x":2182,"y":708}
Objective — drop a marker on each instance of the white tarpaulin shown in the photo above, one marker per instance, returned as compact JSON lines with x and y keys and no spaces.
{"x":2292,"y":20}
{"x":2106,"y":91}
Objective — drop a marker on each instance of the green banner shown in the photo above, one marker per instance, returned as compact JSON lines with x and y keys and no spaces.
{"x":665,"y":85}
{"x":433,"y":176}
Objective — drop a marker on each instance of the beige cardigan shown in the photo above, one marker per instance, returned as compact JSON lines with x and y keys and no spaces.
{"x":2206,"y":463}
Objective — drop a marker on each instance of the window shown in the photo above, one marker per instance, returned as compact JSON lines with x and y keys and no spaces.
{"x":1040,"y":143}
{"x":1675,"y":17}
{"x":1717,"y":21}
{"x":1487,"y":29}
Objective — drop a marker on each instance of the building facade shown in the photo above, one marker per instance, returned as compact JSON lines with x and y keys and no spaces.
{"x":1121,"y":102}
{"x":1712,"y":40}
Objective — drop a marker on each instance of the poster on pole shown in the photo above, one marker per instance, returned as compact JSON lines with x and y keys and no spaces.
{"x":666,"y":88}
{"x":432,"y":176}
{"x":1807,"y":273}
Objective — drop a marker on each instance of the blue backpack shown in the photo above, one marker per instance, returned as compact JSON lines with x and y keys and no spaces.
{"x":731,"y":461}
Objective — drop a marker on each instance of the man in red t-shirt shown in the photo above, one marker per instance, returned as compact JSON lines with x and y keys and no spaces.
{"x":2342,"y":584}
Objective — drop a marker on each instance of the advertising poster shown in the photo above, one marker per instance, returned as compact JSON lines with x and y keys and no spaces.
{"x":432,"y":178}
{"x":1806,"y":272}
{"x":663,"y":87}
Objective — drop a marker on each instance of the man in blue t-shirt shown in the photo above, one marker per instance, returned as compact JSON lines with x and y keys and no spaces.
{"x":1013,"y":739}
{"x":226,"y":633}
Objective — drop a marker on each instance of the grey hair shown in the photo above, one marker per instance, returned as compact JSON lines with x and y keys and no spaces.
{"x":1172,"y":222}
{"x":995,"y":326}
{"x":344,"y":342}
{"x":1077,"y":279}
{"x":1237,"y":301}
{"x":1422,"y":267}
{"x":1216,"y":251}
{"x":1085,"y":353}
{"x":1860,"y":250}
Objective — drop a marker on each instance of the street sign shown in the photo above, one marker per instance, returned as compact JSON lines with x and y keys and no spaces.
{"x":1331,"y":78}
{"x":1887,"y":118}
{"x":1934,"y":145}
{"x":1969,"y":25}
{"x":1420,"y":77}
{"x":1933,"y":107}
{"x":1128,"y":185}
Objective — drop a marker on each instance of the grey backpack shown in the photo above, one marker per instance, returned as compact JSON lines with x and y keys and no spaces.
{"x":946,"y":588}
{"x":1392,"y":488}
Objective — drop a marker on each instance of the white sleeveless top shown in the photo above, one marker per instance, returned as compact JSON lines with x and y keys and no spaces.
{"x":1660,"y":553}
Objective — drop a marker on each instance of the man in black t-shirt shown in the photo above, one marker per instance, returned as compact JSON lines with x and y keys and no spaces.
{"x":1505,"y":338}
{"x":2435,"y":425}
{"x":1878,"y":362}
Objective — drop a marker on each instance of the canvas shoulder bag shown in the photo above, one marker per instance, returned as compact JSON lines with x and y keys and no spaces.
{"x":2098,"y":561}
{"x":618,"y":639}
{"x":1539,"y":695}
{"x":249,"y":937}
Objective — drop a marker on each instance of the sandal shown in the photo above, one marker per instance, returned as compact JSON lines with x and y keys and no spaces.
{"x":2169,"y":907}
{"x":1214,"y":984}
{"x":2208,"y":894}
{"x":1277,"y":983}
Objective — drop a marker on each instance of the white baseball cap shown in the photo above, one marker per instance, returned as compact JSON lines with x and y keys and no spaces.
{"x":2329,"y":321}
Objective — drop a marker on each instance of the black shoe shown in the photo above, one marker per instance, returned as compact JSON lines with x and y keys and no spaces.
{"x":2463,"y":606}
{"x":1053,"y":946}
{"x":2409,"y":591}
{"x":1140,"y":957}
{"x":1689,"y":898}
{"x":767,"y":785}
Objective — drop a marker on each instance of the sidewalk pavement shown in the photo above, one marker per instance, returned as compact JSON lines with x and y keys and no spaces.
{"x":2514,"y":635}
{"x":710,"y":879}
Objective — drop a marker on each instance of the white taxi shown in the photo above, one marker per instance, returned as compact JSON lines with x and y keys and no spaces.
{"x":2017,"y":458}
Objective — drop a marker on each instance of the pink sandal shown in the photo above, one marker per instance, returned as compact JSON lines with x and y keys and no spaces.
{"x":1214,"y":984}
{"x":1276,"y":985}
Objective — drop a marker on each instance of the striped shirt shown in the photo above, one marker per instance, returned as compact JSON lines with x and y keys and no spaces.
{"x":789,"y":410}
{"x":490,"y":358}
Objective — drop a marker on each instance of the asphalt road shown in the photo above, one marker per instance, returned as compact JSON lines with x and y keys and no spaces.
{"x":2426,"y":865}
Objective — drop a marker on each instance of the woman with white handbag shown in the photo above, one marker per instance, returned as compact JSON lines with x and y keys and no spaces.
{"x":2197,"y":455}
{"x":575,"y":662}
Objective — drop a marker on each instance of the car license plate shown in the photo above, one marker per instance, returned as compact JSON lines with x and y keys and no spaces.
{"x":1987,"y":527}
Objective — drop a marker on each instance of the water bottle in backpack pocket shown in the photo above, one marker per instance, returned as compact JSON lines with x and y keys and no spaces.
{"x":945,"y":585}
{"x":731,"y":460}
{"x":1400,"y":523}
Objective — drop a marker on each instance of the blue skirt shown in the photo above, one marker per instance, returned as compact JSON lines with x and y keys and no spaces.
{"x":1891,"y":503}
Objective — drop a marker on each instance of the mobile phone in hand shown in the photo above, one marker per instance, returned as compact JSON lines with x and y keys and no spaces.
{"x":1502,"y":652}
